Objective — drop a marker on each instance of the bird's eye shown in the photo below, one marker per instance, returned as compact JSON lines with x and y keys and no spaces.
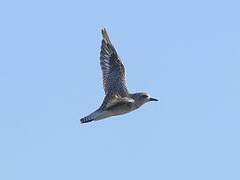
{"x":144,"y":96}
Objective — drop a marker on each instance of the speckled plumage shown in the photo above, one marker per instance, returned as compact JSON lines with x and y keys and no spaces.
{"x":117,"y":98}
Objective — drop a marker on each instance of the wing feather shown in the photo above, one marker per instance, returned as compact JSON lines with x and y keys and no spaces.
{"x":112,"y":68}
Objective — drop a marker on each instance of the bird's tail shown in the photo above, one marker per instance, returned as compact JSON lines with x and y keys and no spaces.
{"x":96,"y":115}
{"x":86,"y":119}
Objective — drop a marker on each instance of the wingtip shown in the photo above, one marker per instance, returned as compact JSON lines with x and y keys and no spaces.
{"x":106,"y":36}
{"x":103,"y":30}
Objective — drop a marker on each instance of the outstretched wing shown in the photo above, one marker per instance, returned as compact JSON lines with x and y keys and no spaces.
{"x":112,"y":68}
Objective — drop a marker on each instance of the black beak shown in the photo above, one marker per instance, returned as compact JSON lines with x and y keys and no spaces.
{"x":153,"y":99}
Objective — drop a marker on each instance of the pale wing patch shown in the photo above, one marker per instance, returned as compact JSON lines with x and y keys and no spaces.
{"x":117,"y":99}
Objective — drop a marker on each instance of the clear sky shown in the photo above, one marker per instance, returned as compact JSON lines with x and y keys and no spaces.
{"x":185,"y":53}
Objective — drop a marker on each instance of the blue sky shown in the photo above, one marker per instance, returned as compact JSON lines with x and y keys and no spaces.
{"x":186,"y":53}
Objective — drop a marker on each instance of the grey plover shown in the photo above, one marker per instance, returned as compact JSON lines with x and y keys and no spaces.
{"x":117,"y":98}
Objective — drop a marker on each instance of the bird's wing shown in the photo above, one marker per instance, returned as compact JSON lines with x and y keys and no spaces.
{"x":112,"y":68}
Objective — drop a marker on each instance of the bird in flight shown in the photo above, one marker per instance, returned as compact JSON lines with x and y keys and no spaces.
{"x":117,"y":99}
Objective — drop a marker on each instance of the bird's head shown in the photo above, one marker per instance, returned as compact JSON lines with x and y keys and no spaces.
{"x":142,"y":98}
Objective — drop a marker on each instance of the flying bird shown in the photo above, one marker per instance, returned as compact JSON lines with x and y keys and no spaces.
{"x":117,"y":99}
